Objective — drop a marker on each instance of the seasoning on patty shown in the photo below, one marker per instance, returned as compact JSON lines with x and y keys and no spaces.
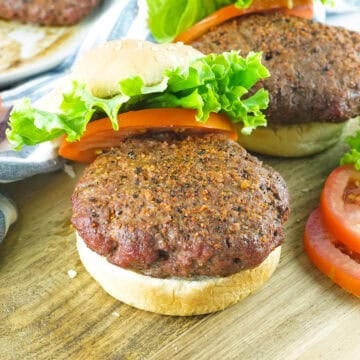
{"x":169,"y":205}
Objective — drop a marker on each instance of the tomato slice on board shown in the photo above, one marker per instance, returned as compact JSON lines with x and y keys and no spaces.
{"x":340,"y":205}
{"x":100,"y":135}
{"x":300,"y":8}
{"x":320,"y":247}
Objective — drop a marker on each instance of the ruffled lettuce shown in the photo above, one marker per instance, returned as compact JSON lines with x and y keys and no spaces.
{"x":353,"y":155}
{"x":214,"y":83}
{"x":30,"y":126}
{"x":169,"y":18}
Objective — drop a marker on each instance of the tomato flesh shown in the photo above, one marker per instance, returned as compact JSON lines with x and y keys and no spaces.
{"x":340,"y":205}
{"x":322,"y":251}
{"x":100,"y":135}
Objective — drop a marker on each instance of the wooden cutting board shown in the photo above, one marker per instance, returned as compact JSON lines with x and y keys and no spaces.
{"x":45,"y":314}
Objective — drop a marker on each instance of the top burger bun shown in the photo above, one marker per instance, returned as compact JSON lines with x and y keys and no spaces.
{"x":100,"y":70}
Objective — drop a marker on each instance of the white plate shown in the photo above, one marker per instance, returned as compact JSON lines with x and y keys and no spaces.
{"x":27,"y":50}
{"x":349,"y":21}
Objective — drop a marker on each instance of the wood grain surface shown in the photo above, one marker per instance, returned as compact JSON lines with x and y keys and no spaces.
{"x":44,"y":314}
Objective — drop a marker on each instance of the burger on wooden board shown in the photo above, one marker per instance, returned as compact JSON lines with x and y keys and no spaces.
{"x":314,"y":89}
{"x":173,"y":216}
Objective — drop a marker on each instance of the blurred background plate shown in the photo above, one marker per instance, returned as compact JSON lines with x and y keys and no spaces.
{"x":28,"y":49}
{"x":350,"y":21}
{"x":343,"y":6}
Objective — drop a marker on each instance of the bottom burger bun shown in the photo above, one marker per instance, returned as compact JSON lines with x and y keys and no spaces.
{"x":175,"y":296}
{"x":293,"y":140}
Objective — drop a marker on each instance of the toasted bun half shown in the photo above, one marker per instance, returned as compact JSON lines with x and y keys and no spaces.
{"x":293,"y":140}
{"x":103,"y":67}
{"x":175,"y":296}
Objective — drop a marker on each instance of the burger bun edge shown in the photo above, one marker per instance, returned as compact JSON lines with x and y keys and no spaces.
{"x":293,"y":140}
{"x":175,"y":296}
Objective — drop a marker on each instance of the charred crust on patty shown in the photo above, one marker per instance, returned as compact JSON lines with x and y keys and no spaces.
{"x":181,"y":206}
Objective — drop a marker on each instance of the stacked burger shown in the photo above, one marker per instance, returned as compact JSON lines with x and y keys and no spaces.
{"x":173,"y":216}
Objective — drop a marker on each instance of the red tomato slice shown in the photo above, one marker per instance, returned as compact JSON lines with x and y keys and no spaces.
{"x":319,"y":245}
{"x":340,"y":205}
{"x":301,"y":8}
{"x":100,"y":135}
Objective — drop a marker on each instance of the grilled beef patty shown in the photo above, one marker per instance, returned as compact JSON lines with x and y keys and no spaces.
{"x":173,"y":205}
{"x":315,"y":68}
{"x":46,"y":12}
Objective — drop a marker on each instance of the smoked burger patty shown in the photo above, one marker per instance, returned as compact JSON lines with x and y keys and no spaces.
{"x":314,"y":85}
{"x":315,"y":68}
{"x":174,"y":205}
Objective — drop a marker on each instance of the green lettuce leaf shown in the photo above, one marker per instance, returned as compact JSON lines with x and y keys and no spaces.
{"x":30,"y":126}
{"x":42,"y":126}
{"x":218,"y":83}
{"x":169,"y":18}
{"x":214,"y":83}
{"x":353,"y":155}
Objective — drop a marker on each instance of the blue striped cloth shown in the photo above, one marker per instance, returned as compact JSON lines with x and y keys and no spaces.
{"x":119,"y":19}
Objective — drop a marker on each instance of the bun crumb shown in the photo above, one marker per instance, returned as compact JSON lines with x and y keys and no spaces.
{"x":72,"y":273}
